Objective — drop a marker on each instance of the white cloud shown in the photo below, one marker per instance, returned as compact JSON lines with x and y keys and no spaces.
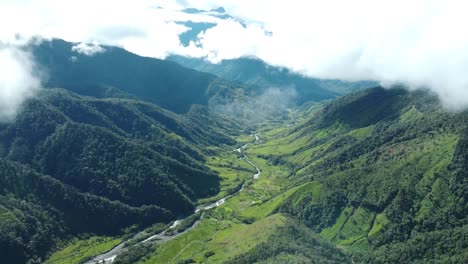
{"x":230,"y":35}
{"x":421,"y":43}
{"x":88,"y":49}
{"x":18,"y":81}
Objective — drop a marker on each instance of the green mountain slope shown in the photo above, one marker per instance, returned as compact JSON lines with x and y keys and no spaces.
{"x":73,"y":165}
{"x":387,"y":174}
{"x":292,"y":243}
{"x":37,"y":211}
{"x":387,"y":185}
{"x":276,"y":238}
{"x":376,"y":176}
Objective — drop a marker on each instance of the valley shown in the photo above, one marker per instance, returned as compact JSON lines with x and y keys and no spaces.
{"x":194,"y":219}
{"x":312,"y":184}
{"x":121,"y":160}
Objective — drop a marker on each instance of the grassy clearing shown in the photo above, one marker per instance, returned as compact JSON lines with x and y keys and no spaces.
{"x":356,"y":227}
{"x":233,"y":171}
{"x":81,"y":250}
{"x":260,"y":210}
{"x":216,"y":241}
{"x":6,"y":216}
{"x":331,"y":232}
{"x":244,"y":139}
{"x":411,"y":115}
{"x":380,"y":221}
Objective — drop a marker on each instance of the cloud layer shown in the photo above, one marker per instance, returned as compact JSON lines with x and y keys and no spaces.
{"x":420,"y":43}
{"x":271,"y":102}
{"x":18,"y":81}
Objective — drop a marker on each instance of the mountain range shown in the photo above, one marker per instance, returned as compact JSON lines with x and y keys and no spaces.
{"x":117,"y":143}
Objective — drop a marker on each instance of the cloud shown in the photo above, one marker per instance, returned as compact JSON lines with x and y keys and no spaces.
{"x":272,"y":101}
{"x":138,"y":26}
{"x":18,"y":81}
{"x":420,"y":43}
{"x":230,"y":35}
{"x":88,"y":49}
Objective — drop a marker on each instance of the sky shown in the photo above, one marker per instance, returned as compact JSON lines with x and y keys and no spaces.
{"x":421,"y":44}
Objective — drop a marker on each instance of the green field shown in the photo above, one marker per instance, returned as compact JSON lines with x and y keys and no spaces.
{"x":216,"y":241}
{"x":81,"y":250}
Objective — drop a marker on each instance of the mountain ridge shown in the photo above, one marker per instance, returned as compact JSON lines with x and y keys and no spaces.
{"x":255,"y":72}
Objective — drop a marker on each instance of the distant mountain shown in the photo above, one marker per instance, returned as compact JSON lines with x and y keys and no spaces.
{"x":255,"y":72}
{"x":195,"y":28}
{"x":118,"y":73}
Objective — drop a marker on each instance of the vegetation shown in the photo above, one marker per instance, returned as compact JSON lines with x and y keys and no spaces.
{"x":79,"y":251}
{"x":73,"y":164}
{"x":293,"y":243}
{"x":135,"y":254}
{"x":378,"y":176}
{"x":385,"y":171}
{"x":117,"y":73}
{"x":216,"y":241}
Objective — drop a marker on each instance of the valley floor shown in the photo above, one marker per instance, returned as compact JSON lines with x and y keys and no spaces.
{"x":240,"y":218}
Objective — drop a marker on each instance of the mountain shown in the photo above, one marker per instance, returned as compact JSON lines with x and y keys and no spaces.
{"x":115,"y":72}
{"x":383,"y":175}
{"x":293,"y":242}
{"x":377,"y":176}
{"x":195,"y":28}
{"x":73,"y":164}
{"x":255,"y":72}
{"x":118,"y":143}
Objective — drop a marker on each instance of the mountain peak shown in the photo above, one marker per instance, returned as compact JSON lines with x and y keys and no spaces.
{"x":219,"y":10}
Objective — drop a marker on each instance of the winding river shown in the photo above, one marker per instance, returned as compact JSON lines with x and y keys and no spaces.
{"x":166,"y":235}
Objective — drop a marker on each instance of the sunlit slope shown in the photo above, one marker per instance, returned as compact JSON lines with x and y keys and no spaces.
{"x":273,"y":239}
{"x":387,"y":172}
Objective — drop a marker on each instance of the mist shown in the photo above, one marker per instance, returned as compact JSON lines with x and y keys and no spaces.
{"x":272,"y":103}
{"x":18,"y":81}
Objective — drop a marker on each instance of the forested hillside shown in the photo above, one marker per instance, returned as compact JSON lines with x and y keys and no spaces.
{"x":378,"y":176}
{"x":263,"y":132}
{"x":386,"y":174}
{"x":73,"y":164}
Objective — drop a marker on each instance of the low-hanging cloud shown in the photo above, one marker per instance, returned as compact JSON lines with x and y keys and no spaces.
{"x":421,"y":44}
{"x":88,"y":49}
{"x":271,"y":103}
{"x":18,"y":81}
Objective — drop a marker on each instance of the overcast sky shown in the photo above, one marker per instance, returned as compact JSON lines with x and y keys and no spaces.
{"x":422,"y":44}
